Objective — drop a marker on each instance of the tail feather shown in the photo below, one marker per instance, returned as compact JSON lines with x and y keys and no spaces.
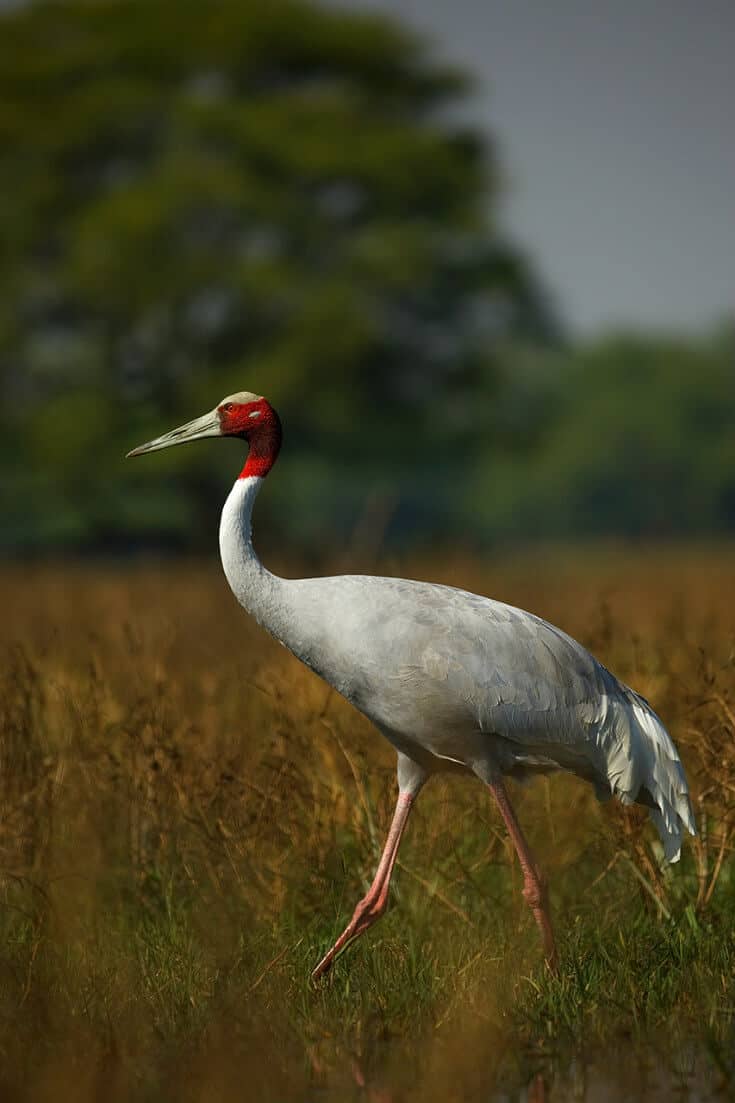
{"x":642,"y":763}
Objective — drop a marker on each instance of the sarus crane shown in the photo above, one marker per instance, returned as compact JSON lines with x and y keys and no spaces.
{"x":453,"y":680}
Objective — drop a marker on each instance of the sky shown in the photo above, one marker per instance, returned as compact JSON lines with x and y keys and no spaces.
{"x":616,"y":124}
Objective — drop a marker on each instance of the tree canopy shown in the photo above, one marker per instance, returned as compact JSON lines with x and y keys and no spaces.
{"x":201,"y":198}
{"x":629,"y":435}
{"x":281,"y":197}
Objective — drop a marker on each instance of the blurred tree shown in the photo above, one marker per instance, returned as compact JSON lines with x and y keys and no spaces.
{"x":204,"y":198}
{"x":630,"y":435}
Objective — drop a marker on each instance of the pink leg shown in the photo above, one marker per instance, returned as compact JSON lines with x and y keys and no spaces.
{"x":534,"y":888}
{"x":374,"y":903}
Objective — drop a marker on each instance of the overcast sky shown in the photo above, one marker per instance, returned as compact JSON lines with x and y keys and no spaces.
{"x":617,"y":129}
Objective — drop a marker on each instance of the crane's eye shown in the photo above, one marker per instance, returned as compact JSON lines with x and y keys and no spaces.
{"x":228,"y":407}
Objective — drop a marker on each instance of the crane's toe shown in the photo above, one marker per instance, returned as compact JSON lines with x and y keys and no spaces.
{"x":367,"y":912}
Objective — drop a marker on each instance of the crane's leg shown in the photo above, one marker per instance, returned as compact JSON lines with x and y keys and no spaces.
{"x":375,"y":901}
{"x":534,"y":887}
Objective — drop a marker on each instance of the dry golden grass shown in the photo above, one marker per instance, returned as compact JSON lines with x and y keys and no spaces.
{"x":189,"y":816}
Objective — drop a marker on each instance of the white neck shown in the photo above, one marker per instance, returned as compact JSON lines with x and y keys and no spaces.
{"x":257,"y":590}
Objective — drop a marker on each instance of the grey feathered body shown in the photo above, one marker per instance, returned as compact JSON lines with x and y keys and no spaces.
{"x":461,"y":682}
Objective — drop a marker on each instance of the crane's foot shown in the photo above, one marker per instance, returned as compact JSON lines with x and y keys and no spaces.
{"x":322,"y":968}
{"x":536,"y":895}
{"x":367,"y":912}
{"x":325,"y":965}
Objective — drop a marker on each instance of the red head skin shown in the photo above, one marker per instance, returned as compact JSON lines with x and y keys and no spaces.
{"x":257,"y":423}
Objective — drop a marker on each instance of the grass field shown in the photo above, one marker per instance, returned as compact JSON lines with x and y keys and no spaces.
{"x":189,"y":816}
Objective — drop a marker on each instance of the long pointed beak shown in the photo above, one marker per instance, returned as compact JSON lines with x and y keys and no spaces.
{"x":206,"y":426}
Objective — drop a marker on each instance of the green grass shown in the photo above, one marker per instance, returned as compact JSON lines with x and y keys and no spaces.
{"x":189,"y":819}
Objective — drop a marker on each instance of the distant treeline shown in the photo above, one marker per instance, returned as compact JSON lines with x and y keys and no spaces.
{"x":628,"y":437}
{"x":279,"y":197}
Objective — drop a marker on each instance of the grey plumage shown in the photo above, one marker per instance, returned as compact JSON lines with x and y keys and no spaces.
{"x":459,"y":681}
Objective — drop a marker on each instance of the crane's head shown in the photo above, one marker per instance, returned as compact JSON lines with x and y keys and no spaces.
{"x":245,"y":415}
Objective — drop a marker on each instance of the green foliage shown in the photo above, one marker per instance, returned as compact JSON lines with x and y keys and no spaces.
{"x":629,"y":435}
{"x":200,"y":199}
{"x":273,"y":196}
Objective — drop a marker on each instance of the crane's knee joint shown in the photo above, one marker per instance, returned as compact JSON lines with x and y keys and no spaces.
{"x":534,"y":893}
{"x":369,"y":909}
